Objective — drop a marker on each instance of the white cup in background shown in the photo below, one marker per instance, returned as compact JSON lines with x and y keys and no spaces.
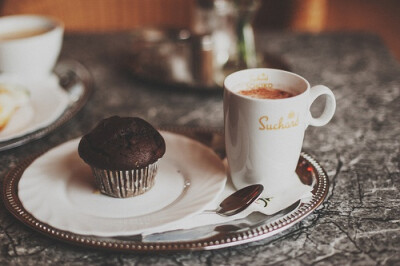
{"x":264,"y":137}
{"x":29,"y":45}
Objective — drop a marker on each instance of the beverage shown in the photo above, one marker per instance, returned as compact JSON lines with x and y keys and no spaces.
{"x":266,"y":93}
{"x":15,"y":35}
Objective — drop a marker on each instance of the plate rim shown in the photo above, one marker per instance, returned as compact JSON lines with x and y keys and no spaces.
{"x":14,"y":206}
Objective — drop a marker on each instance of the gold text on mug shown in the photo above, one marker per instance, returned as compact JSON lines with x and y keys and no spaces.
{"x":292,"y":120}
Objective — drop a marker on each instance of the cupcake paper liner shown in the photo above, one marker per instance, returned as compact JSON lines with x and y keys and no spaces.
{"x":126,"y":183}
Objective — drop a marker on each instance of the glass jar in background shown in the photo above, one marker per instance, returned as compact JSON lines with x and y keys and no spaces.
{"x":229,"y":23}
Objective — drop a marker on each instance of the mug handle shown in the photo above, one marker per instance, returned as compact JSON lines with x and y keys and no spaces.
{"x":330,"y":105}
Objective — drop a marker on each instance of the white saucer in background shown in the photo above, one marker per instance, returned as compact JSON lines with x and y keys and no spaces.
{"x":47,"y":102}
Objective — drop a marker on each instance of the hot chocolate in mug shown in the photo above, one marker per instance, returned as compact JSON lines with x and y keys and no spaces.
{"x":264,"y":132}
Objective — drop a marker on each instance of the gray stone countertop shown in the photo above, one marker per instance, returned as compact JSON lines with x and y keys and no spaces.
{"x":359,"y":222}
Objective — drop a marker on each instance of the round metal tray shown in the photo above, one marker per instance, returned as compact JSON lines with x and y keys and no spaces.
{"x":178,"y":61}
{"x":254,"y":227}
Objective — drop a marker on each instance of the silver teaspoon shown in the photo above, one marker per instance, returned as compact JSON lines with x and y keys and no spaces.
{"x":239,"y":200}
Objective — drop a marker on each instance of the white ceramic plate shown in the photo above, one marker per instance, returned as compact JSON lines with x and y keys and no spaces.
{"x":58,"y":189}
{"x":47,"y":102}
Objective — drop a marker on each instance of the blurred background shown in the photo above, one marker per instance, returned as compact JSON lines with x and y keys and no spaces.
{"x":381,"y":17}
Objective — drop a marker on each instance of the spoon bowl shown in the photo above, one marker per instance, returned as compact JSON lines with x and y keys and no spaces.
{"x":239,"y":200}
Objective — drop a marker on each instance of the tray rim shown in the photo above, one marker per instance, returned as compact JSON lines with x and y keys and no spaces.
{"x":14,"y":206}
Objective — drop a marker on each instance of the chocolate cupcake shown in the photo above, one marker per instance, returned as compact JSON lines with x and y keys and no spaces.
{"x":123,"y":153}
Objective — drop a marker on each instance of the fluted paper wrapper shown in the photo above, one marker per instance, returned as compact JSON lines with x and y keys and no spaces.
{"x":126,"y":183}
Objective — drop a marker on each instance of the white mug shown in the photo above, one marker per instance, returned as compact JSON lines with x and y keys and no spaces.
{"x":29,"y":45}
{"x":264,"y":137}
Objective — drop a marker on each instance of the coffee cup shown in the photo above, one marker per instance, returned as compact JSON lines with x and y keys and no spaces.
{"x":266,"y":113}
{"x":29,"y":45}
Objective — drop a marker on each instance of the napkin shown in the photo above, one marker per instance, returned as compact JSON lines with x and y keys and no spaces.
{"x":266,"y":204}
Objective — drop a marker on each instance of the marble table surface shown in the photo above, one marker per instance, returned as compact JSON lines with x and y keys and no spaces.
{"x":359,"y":222}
